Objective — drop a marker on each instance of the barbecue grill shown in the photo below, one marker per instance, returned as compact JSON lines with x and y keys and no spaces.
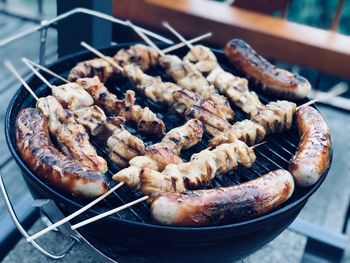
{"x":133,"y":231}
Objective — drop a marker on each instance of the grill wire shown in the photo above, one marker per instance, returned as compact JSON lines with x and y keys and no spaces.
{"x":272,"y":155}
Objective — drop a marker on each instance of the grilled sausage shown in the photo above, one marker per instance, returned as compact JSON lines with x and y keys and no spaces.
{"x":52,"y":166}
{"x":280,"y":82}
{"x":222,"y":205}
{"x":312,"y":157}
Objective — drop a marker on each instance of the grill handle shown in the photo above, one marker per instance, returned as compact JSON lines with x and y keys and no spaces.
{"x":53,"y":214}
{"x":24,"y":232}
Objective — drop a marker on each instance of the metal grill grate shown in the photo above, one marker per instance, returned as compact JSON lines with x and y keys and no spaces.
{"x":270,"y":156}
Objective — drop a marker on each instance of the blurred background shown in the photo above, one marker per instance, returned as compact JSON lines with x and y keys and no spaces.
{"x":309,"y":37}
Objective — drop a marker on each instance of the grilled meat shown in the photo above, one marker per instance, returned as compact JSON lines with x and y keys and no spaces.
{"x":146,"y":120}
{"x":122,"y":146}
{"x":277,"y":81}
{"x":159,"y":155}
{"x":200,"y":170}
{"x":224,"y":204}
{"x":187,"y":76}
{"x":91,"y":68}
{"x":71,"y":136}
{"x":233,"y":87}
{"x":38,"y":152}
{"x":72,"y":96}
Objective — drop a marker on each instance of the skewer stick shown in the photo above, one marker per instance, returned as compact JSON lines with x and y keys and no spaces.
{"x":258,"y":144}
{"x":145,"y":38}
{"x":99,"y":54}
{"x":73,"y":215}
{"x":337,"y":90}
{"x":10,"y":67}
{"x":108,"y":213}
{"x":25,"y":61}
{"x":182,"y":44}
{"x":45,"y":69}
{"x":177,"y":34}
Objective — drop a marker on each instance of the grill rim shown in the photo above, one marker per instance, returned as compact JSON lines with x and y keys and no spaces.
{"x":10,"y":132}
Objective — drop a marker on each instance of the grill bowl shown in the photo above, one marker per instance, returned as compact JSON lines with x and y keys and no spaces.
{"x":133,"y":232}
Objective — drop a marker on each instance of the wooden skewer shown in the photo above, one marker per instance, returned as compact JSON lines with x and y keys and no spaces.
{"x":99,"y":54}
{"x":25,"y":61}
{"x":178,"y":35}
{"x":145,"y":38}
{"x":10,"y":67}
{"x":337,"y":90}
{"x":45,"y":69}
{"x":182,"y":44}
{"x":258,"y":144}
{"x":108,"y":213}
{"x":73,"y":215}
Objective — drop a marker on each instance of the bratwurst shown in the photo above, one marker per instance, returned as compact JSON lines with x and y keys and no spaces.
{"x":280,"y":82}
{"x":52,"y":166}
{"x":312,"y":157}
{"x":222,"y":205}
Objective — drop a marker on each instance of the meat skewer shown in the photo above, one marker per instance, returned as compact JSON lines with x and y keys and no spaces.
{"x":185,"y":74}
{"x":121,"y":145}
{"x":159,"y":155}
{"x":37,"y":150}
{"x":146,"y":120}
{"x":233,"y":87}
{"x":71,"y":136}
{"x":141,"y":55}
{"x":199,"y":171}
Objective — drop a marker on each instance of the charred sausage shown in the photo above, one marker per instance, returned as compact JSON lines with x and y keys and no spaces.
{"x":52,"y":166}
{"x":221,"y":205}
{"x":280,"y":82}
{"x":312,"y":157}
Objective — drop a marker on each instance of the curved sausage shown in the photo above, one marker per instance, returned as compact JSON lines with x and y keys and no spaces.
{"x":280,"y":82}
{"x":312,"y":157}
{"x":52,"y":166}
{"x":221,"y":205}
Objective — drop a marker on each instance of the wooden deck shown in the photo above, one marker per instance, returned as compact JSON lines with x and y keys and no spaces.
{"x":327,"y":208}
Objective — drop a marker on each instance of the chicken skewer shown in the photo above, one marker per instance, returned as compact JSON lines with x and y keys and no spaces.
{"x":141,"y":55}
{"x":146,"y":120}
{"x":159,"y":155}
{"x":233,"y":87}
{"x":185,"y":74}
{"x":121,"y":145}
{"x":72,"y":137}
